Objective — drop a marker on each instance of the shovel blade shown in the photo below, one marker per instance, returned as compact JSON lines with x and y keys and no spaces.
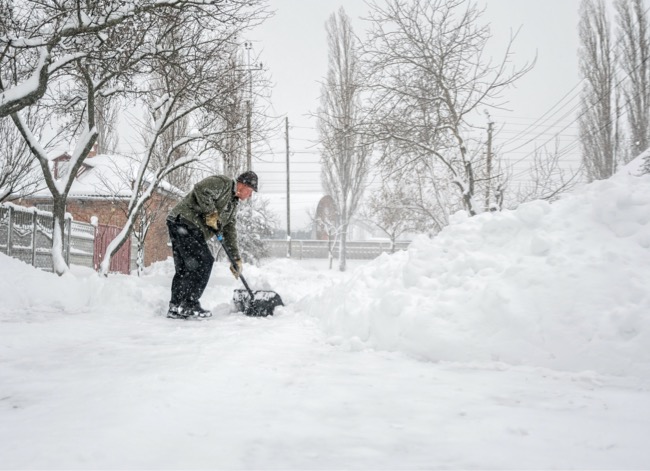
{"x":261,"y":305}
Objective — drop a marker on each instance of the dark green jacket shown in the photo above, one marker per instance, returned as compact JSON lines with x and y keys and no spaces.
{"x":216,"y":193}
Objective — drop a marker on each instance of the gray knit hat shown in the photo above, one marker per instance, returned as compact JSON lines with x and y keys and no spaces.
{"x":248,"y":178}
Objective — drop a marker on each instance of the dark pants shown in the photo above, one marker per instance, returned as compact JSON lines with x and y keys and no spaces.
{"x":192,"y":260}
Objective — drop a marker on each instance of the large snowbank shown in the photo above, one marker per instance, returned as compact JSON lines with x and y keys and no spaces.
{"x":563,"y":285}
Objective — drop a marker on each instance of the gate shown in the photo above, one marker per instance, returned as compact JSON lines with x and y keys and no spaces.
{"x":121,"y":261}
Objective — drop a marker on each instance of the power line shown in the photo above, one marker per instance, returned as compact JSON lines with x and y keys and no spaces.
{"x":547,"y":112}
{"x":576,"y":142}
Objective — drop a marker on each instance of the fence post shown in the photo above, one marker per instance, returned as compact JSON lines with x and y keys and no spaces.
{"x":68,"y":228}
{"x":10,"y":231}
{"x":34,"y":229}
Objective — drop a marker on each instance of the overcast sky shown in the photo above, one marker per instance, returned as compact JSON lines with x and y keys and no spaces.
{"x":292,"y":47}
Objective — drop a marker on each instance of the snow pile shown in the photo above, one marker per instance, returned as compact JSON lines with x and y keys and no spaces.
{"x":29,"y":294}
{"x":565,"y":286}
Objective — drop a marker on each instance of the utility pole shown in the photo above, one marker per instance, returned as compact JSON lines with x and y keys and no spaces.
{"x":286,"y":127}
{"x":489,"y":163}
{"x":249,"y":112}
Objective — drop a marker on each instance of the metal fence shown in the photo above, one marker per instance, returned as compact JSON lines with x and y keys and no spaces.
{"x":355,"y":250}
{"x":26,"y":234}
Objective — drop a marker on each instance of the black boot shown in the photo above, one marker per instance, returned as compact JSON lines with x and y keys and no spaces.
{"x":195,"y":311}
{"x":176,"y":312}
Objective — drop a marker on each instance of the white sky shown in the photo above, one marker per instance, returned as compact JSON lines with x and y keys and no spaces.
{"x":292,"y":47}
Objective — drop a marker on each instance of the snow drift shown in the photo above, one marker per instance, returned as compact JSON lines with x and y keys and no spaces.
{"x":563,"y":285}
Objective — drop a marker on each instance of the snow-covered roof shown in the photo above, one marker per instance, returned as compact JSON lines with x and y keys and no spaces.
{"x":107,"y":176}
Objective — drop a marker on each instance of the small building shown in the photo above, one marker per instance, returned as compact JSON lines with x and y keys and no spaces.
{"x":100,"y":195}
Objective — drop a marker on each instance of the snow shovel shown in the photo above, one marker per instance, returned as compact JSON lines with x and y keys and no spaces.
{"x":258,"y":303}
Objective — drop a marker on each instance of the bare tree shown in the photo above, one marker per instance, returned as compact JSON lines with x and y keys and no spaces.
{"x":181,"y":178}
{"x":548,"y":178}
{"x":231,"y":143}
{"x":430,"y":197}
{"x":346,"y":153}
{"x":106,"y":113}
{"x":38,"y":38}
{"x":247,"y":120}
{"x":429,"y":75}
{"x":598,"y":120}
{"x":18,"y":175}
{"x":197,"y":61}
{"x":168,"y":77}
{"x":256,"y":219}
{"x":151,"y":210}
{"x":391,"y":210}
{"x":325,"y":222}
{"x":634,"y":57}
{"x":71,"y":100}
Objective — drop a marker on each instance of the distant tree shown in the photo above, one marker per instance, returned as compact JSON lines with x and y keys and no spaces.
{"x":181,"y":177}
{"x":389,"y":209}
{"x":106,"y":113}
{"x":634,"y":60}
{"x":404,"y":173}
{"x":246,"y":122}
{"x":598,"y":120}
{"x":18,"y":173}
{"x":346,"y":153}
{"x":429,"y":74}
{"x":167,"y":79}
{"x":327,"y":225}
{"x":548,"y":178}
{"x":123,"y":174}
{"x":255,"y":222}
{"x":231,"y":144}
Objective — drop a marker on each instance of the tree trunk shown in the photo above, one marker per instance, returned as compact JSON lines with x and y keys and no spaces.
{"x":58,"y":235}
{"x":343,"y":245}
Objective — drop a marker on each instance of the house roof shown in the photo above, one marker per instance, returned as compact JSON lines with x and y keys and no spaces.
{"x":106,"y":176}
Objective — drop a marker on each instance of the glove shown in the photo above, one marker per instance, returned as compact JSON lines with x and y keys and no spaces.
{"x":212,"y":220}
{"x":236,"y":268}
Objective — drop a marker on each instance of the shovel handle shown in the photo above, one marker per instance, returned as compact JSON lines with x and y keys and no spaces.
{"x":232,"y":261}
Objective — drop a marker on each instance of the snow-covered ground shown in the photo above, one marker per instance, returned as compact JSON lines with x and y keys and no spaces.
{"x":517,"y":340}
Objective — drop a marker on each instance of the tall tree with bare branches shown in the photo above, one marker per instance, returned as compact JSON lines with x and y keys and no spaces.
{"x":107,"y":119}
{"x":598,"y":119}
{"x":634,"y":61}
{"x":430,"y":78}
{"x":346,"y":153}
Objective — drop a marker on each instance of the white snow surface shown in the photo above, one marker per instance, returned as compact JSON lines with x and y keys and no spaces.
{"x":564,"y":286}
{"x":513,"y":340}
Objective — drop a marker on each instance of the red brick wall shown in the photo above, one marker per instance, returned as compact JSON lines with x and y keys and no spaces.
{"x":157,"y":241}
